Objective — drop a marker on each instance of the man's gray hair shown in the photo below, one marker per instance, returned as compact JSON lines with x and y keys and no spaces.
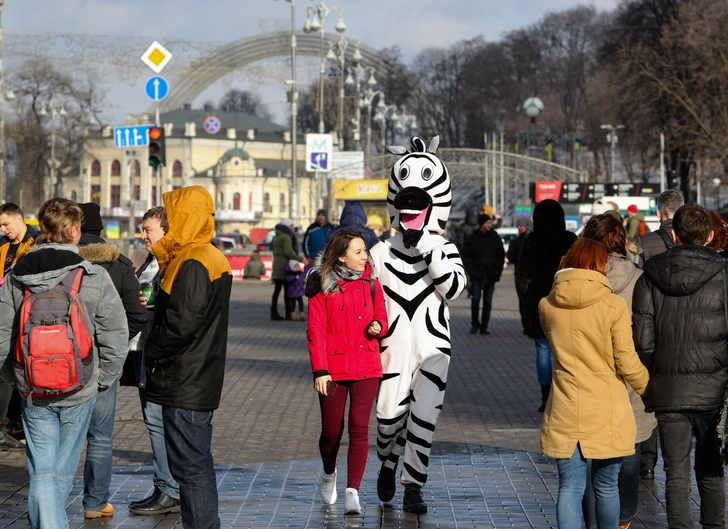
{"x":669,"y":202}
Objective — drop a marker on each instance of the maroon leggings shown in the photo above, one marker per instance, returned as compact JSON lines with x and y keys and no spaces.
{"x":332,"y":426}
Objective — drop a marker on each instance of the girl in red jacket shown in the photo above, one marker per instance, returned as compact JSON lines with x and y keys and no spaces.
{"x":346,"y":315}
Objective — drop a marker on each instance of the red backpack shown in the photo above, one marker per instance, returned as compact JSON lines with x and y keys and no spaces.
{"x":54,"y":349}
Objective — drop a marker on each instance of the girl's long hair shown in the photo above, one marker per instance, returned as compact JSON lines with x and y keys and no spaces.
{"x":337,"y":247}
{"x":587,"y":254}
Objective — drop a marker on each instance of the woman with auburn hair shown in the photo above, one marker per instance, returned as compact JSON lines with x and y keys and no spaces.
{"x":588,"y":414}
{"x":623,"y":275}
{"x":720,"y":233}
{"x":346,"y":315}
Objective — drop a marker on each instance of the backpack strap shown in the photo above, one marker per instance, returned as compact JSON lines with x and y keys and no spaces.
{"x":669,"y":243}
{"x":72,"y":281}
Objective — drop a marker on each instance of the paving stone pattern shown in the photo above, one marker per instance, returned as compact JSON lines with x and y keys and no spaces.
{"x":485,"y":468}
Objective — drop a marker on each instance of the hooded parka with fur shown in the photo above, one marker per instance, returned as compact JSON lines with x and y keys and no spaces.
{"x":589,"y":329}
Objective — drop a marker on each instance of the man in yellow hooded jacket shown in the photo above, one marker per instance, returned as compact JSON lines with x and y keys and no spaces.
{"x":186,"y":348}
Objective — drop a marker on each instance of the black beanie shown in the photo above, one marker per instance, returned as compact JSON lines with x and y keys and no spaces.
{"x":483,"y":218}
{"x":92,"y":222}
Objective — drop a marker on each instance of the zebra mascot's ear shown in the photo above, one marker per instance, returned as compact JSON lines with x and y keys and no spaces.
{"x":396,"y":149}
{"x":434,"y":144}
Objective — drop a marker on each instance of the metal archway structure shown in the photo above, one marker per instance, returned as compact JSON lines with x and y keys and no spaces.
{"x":191,"y":82}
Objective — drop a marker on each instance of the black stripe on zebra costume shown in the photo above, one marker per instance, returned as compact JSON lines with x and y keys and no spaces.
{"x":419,"y":272}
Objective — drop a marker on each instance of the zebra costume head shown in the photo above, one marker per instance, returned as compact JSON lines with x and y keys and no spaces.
{"x":419,"y":192}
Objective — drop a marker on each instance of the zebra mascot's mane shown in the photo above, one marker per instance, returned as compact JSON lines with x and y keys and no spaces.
{"x":419,"y":192}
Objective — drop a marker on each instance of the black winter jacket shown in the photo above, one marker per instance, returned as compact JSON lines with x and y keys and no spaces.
{"x":680,"y":329}
{"x":483,"y":256}
{"x":651,"y":244}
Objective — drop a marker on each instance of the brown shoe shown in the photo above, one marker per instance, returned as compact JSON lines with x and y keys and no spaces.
{"x":106,"y":512}
{"x":624,"y":525}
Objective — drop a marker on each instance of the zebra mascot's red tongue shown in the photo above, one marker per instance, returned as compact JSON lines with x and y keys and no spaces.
{"x":414,"y":220}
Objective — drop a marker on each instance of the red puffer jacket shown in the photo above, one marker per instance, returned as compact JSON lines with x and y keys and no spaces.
{"x":338,"y":343}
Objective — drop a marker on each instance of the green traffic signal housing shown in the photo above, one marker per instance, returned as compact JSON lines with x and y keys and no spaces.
{"x":157,"y":148}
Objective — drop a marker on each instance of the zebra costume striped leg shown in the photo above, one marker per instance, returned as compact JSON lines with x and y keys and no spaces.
{"x":419,"y":272}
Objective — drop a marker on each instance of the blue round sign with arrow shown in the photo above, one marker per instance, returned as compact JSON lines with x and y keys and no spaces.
{"x":157,"y":88}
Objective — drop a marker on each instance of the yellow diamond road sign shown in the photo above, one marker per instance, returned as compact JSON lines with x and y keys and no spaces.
{"x":156,"y":57}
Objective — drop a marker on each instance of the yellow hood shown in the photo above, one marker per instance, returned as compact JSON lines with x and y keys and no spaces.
{"x":190,"y":214}
{"x":576,"y":288}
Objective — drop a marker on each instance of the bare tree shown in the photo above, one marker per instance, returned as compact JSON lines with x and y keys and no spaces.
{"x":245,"y":101}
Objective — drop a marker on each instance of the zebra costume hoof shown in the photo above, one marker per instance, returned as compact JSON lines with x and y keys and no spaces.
{"x":386,"y":484}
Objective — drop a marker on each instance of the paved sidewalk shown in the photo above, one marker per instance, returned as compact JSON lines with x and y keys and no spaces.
{"x":485,"y":468}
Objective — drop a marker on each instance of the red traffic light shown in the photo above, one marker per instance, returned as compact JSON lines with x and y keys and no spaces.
{"x":155,"y":133}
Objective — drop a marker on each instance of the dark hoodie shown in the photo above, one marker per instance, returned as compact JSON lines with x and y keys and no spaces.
{"x":467,"y":227}
{"x":680,"y":330}
{"x":353,"y":217}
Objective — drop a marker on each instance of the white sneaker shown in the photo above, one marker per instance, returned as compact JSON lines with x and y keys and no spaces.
{"x":328,"y":488}
{"x":351,"y":502}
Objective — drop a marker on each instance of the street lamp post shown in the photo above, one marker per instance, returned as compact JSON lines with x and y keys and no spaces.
{"x":533,"y":107}
{"x":4,"y":96}
{"x":381,"y":117}
{"x":367,"y":101}
{"x":612,"y":139}
{"x":354,"y":78}
{"x":340,"y":56}
{"x":316,"y":21}
{"x":294,"y":115}
{"x":405,"y":121}
{"x":54,"y":110}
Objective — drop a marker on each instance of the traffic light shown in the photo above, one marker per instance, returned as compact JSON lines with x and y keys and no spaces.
{"x":157,"y":149}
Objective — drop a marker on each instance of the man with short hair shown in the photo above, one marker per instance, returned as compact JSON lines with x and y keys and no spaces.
{"x":184,"y":355}
{"x":55,"y":427}
{"x":680,"y":333}
{"x":17,"y":238}
{"x":483,"y":257}
{"x":316,"y":238}
{"x":650,"y":244}
{"x":165,"y":496}
{"x":322,"y":218}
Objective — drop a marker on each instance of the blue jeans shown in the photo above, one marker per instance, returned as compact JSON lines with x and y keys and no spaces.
{"x":572,"y":484}
{"x":54,"y":437}
{"x":486,"y":291}
{"x":676,"y":440}
{"x":543,"y":361}
{"x":163,"y":479}
{"x":188,"y":435}
{"x":99,"y":452}
{"x":628,"y":483}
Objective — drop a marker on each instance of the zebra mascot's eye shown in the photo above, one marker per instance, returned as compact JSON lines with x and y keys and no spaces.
{"x":404,"y":172}
{"x":427,"y":172}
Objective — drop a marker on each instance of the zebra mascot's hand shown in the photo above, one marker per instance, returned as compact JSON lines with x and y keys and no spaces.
{"x":427,"y":243}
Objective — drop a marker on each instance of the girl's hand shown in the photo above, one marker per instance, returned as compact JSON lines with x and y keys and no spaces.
{"x":374,"y":328}
{"x":142,"y":299}
{"x":320,"y":384}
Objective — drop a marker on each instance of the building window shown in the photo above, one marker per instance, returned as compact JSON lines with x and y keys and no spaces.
{"x":266,"y":203}
{"x":177,"y":169}
{"x":282,"y":202}
{"x":115,"y":196}
{"x":137,"y":168}
{"x":115,"y":168}
{"x":73,"y":196}
{"x":96,"y":194}
{"x":137,"y":192}
{"x":95,"y":168}
{"x":236,"y":201}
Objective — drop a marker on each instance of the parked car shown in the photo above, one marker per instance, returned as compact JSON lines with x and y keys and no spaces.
{"x":507,"y":234}
{"x":241,"y":240}
{"x":267,"y":244}
{"x":224,"y":244}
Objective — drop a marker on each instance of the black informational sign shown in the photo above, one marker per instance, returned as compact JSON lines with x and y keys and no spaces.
{"x":573,"y":193}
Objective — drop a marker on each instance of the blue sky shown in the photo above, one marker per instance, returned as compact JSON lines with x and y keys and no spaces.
{"x":410,"y":24}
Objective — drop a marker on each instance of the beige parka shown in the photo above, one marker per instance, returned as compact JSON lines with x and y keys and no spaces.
{"x":590,"y":332}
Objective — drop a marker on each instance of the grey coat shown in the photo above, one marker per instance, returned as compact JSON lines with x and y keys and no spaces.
{"x":40,"y":271}
{"x":623,"y":276}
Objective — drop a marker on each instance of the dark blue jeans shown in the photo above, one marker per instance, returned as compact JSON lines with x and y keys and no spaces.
{"x":484,"y":290}
{"x":98,"y":465}
{"x":676,"y":440}
{"x":628,"y":484}
{"x":188,"y":435}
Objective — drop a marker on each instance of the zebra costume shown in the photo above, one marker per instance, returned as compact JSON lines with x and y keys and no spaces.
{"x":419,"y":271}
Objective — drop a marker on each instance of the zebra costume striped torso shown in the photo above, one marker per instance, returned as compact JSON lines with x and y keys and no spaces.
{"x":419,"y":272}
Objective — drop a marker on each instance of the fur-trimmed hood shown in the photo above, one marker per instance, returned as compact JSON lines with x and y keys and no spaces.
{"x":313,"y":277}
{"x":99,"y":252}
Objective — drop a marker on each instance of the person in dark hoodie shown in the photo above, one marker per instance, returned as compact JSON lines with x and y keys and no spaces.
{"x":466,"y":228}
{"x":353,"y":217}
{"x":541,"y":254}
{"x":98,"y":465}
{"x":284,"y":249}
{"x":524,"y":226}
{"x":680,"y":333}
{"x":483,"y":257}
{"x":56,"y":427}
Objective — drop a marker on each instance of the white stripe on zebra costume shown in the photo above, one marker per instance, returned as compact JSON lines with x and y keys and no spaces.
{"x":419,"y":271}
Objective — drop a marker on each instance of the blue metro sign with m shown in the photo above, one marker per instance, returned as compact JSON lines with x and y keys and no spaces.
{"x":135,"y":136}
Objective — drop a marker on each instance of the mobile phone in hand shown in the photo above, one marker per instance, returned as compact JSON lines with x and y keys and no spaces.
{"x":331,"y":387}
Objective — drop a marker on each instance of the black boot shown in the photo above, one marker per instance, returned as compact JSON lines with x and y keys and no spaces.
{"x":274,"y":316}
{"x":545,"y":390}
{"x":7,"y":442}
{"x":413,"y":501}
{"x":386,"y":483}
